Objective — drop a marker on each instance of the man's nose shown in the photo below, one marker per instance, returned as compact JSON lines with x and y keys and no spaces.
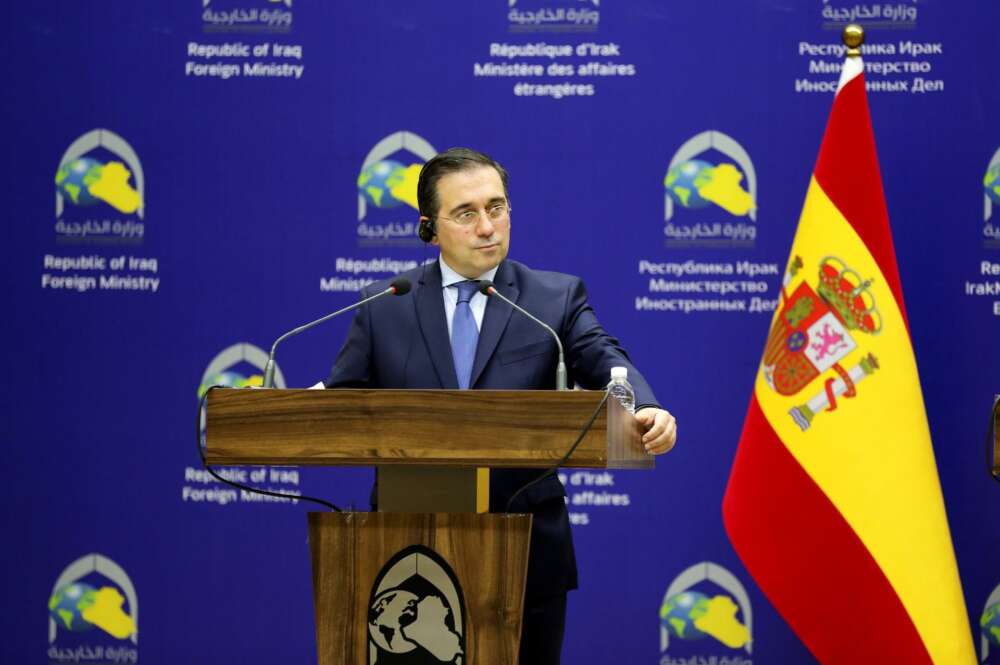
{"x":485,"y":227}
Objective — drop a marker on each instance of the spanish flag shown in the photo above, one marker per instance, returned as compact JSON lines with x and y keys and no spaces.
{"x":833,"y":502}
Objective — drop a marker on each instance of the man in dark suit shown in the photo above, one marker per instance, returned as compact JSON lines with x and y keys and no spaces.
{"x":445,"y":334}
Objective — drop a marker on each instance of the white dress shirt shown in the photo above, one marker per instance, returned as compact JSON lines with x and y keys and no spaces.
{"x":478,"y":302}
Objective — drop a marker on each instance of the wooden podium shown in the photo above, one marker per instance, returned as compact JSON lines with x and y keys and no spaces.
{"x":432,"y":571}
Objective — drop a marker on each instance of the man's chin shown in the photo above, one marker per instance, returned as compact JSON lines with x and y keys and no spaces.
{"x":491,"y":259}
{"x":481,"y":261}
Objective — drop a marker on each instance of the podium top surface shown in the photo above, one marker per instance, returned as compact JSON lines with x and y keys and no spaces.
{"x":496,"y":428}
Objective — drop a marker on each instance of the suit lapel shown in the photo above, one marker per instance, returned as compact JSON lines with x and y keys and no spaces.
{"x":434,"y":325}
{"x":494,"y":320}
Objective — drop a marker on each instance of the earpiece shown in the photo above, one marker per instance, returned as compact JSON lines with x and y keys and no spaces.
{"x":426,"y":231}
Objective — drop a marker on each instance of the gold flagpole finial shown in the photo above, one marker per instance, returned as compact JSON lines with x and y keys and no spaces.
{"x":853,"y":37}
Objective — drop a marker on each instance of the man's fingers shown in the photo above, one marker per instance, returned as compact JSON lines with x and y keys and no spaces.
{"x":663,"y":435}
{"x":646,"y":417}
{"x":654,"y":432}
{"x":661,"y":430}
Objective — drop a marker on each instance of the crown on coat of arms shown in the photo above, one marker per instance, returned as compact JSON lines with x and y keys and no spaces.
{"x":849,"y":295}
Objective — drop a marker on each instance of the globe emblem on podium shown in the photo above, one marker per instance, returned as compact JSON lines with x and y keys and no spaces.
{"x":416,"y":613}
{"x":401,"y":621}
{"x":391,"y":612}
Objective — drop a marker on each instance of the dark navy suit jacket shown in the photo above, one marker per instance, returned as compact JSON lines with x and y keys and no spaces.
{"x":402,"y":342}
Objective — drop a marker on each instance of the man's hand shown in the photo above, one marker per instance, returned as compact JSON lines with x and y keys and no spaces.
{"x":661,"y":429}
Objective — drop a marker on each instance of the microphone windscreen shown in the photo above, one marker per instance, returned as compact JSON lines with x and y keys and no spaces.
{"x":484,"y":286}
{"x":401,"y":286}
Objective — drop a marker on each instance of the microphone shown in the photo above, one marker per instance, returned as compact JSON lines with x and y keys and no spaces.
{"x":487,"y":289}
{"x":398,"y":287}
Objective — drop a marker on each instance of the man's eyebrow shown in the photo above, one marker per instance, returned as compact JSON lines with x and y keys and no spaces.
{"x":461,"y":207}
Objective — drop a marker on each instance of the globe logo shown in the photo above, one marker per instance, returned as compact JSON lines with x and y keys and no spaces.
{"x":695,"y":184}
{"x":684,"y":181}
{"x":75,"y":178}
{"x":67,"y":604}
{"x":691,"y":615}
{"x":79,"y":607}
{"x":989,"y":625}
{"x":991,"y":183}
{"x":388,"y":184}
{"x":86,"y":182}
{"x":679,"y":612}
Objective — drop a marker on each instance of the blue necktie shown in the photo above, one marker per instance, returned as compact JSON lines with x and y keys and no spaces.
{"x":464,"y":334}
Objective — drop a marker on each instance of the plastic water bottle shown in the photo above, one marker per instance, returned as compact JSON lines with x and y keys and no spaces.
{"x":621,"y":389}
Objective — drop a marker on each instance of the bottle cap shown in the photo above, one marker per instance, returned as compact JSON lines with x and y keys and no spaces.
{"x":619,"y":372}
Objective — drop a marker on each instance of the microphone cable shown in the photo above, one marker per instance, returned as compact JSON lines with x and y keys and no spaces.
{"x":555,"y":467}
{"x":248,"y":488}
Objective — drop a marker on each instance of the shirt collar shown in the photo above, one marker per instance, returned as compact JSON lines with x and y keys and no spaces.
{"x":449,"y":277}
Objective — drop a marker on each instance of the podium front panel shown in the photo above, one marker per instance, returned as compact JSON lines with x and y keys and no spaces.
{"x":441,"y":583}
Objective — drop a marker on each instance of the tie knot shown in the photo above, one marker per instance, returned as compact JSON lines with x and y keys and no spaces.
{"x":466,"y":290}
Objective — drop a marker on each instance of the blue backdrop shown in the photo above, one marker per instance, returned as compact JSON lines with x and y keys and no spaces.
{"x":182,"y":186}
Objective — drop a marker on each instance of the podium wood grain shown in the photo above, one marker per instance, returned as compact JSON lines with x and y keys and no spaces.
{"x":495,"y":428}
{"x":487,"y":552}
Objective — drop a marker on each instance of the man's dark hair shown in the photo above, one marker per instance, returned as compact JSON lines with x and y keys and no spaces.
{"x":451,"y":160}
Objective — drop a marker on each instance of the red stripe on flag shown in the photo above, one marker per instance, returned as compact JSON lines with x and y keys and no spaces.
{"x":847,"y":170}
{"x":808,"y":561}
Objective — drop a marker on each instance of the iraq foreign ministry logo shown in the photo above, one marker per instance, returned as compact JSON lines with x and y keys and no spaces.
{"x":991,"y":201}
{"x":100,"y":192}
{"x":815,"y":330}
{"x":387,"y":190}
{"x":93,"y":614}
{"x":710,"y":194}
{"x":705,"y":614}
{"x":416,"y":613}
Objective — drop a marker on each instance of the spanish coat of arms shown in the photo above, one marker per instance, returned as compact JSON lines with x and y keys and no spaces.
{"x":814,"y":331}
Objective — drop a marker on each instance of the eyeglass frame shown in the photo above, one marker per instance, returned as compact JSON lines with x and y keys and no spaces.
{"x":505,"y":216}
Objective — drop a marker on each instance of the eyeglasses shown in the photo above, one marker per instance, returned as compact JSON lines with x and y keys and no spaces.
{"x":497,"y":214}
